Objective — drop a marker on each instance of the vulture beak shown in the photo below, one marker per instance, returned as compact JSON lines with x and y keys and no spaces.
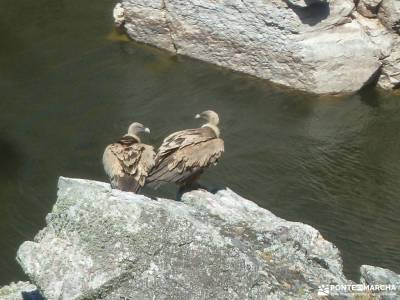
{"x":147,"y":130}
{"x":197,"y":116}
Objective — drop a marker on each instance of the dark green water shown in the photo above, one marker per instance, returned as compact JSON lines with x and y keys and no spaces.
{"x":67,"y":90}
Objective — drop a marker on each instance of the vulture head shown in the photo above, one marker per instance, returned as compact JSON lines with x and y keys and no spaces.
{"x":212,"y":120}
{"x":211,"y":117}
{"x":136,"y":128}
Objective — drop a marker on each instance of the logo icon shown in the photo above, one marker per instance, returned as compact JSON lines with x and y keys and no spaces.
{"x":323,"y":290}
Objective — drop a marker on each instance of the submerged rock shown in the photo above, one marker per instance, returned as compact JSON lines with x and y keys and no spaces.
{"x":316,"y":46}
{"x":101,"y":243}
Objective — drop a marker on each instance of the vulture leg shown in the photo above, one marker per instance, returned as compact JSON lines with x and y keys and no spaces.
{"x":190,"y":183}
{"x":125,"y":183}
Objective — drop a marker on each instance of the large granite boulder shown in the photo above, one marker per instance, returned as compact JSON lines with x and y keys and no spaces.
{"x":316,"y":46}
{"x":101,"y":243}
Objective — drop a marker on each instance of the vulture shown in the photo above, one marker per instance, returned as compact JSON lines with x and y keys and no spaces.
{"x":183,"y":155}
{"x":128,"y":162}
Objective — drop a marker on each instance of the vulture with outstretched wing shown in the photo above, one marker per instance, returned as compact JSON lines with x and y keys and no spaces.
{"x":128,"y":161}
{"x":185,"y":154}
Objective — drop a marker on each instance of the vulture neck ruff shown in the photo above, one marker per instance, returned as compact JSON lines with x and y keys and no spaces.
{"x":129,"y":139}
{"x":213,"y":128}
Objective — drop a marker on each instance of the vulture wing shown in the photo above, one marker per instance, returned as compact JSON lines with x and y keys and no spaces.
{"x":184,"y":155}
{"x":181,"y":139}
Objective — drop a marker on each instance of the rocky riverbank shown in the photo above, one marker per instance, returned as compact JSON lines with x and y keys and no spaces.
{"x":101,"y":243}
{"x":319,"y":46}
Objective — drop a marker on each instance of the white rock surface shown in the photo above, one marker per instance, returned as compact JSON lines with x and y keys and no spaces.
{"x":315,"y":46}
{"x":118,"y":14}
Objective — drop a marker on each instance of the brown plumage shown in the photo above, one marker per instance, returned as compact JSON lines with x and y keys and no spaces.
{"x":128,"y":161}
{"x":185,"y":154}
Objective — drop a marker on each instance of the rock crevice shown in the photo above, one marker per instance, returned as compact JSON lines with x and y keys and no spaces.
{"x":168,"y":24}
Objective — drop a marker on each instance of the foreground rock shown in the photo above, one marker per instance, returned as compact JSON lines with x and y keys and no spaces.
{"x":317,"y":46}
{"x":20,"y":291}
{"x":101,"y":243}
{"x":106,"y":244}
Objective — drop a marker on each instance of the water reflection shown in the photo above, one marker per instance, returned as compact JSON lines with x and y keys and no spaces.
{"x":10,"y":159}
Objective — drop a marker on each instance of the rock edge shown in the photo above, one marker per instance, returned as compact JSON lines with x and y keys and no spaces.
{"x":101,"y":243}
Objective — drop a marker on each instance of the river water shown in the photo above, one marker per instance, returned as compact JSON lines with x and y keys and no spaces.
{"x":69,"y":86}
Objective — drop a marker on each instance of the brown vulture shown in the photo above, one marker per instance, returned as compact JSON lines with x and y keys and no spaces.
{"x":128,"y":161}
{"x":185,"y":154}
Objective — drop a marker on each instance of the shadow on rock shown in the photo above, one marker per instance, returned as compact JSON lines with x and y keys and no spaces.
{"x":312,"y":14}
{"x":33,"y":295}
